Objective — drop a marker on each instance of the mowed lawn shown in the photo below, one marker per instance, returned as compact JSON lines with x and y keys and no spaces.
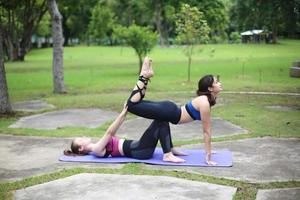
{"x":102,"y":77}
{"x":88,"y":70}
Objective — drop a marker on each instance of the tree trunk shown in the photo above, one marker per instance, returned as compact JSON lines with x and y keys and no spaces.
{"x":189,"y":69}
{"x":140,"y":63}
{"x":5,"y":106}
{"x":12,"y":53}
{"x":66,"y":30}
{"x":159,"y":25}
{"x":274,"y":33}
{"x":21,"y":53}
{"x":58,"y":41}
{"x":8,"y":37}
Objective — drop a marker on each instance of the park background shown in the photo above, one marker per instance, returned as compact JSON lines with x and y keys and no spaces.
{"x":101,"y":60}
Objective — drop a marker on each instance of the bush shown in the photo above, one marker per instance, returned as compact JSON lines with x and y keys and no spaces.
{"x":141,"y":39}
{"x":235,"y":37}
{"x":216,"y":39}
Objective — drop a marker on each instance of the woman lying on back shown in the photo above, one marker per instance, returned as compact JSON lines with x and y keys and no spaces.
{"x":110,"y":145}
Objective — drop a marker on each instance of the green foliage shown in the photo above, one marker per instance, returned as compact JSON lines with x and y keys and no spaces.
{"x":76,"y":17}
{"x":216,"y":16}
{"x":101,"y":23}
{"x":132,"y":12}
{"x":19,"y":20}
{"x":43,"y":28}
{"x":216,"y":39}
{"x":192,"y":29}
{"x":276,"y":16}
{"x":235,"y":37}
{"x":141,"y":39}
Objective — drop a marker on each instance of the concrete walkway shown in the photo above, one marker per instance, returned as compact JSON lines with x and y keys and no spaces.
{"x":90,"y":118}
{"x":279,"y":194}
{"x":254,"y":160}
{"x":32,"y":106}
{"x":125,"y":187}
{"x":23,"y":157}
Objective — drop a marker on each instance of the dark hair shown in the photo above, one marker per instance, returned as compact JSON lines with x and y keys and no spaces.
{"x":204,"y":83}
{"x":74,"y":151}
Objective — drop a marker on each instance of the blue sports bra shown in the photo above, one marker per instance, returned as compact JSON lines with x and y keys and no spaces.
{"x":195,"y":114}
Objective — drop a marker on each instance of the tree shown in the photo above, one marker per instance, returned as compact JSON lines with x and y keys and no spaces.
{"x":58,"y":41}
{"x":158,"y":14}
{"x":5,"y":106}
{"x":164,"y":18}
{"x":159,"y":23}
{"x":141,"y":39}
{"x":276,"y":16}
{"x":19,"y":21}
{"x":76,"y":16}
{"x":44,"y":27}
{"x":215,"y":15}
{"x":128,"y":12}
{"x":101,"y":23}
{"x":192,"y":29}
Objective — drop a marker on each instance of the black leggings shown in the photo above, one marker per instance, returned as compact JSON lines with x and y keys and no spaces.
{"x":145,"y":146}
{"x":163,"y":110}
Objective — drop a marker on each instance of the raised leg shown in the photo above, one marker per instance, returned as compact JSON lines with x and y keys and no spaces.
{"x":139,"y":90}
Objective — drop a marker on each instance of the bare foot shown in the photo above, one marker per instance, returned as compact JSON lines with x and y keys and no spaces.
{"x":178,"y":153}
{"x":147,"y":70}
{"x":211,"y":163}
{"x":169,"y":157}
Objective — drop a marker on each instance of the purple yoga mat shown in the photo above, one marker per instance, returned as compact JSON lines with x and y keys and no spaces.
{"x":195,"y":158}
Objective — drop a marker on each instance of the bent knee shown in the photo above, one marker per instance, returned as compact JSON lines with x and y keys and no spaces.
{"x":130,"y":104}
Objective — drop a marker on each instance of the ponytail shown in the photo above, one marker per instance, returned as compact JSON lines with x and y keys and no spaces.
{"x":68,"y":152}
{"x":74,"y":151}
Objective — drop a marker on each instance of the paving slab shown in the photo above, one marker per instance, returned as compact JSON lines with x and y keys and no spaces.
{"x":22,"y":157}
{"x":124,"y":187}
{"x":284,"y":108}
{"x":254,"y":160}
{"x":279,"y":194}
{"x":90,"y":118}
{"x":134,"y":129}
{"x":32,"y":106}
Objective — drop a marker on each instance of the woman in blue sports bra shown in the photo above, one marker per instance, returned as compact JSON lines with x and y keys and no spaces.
{"x":197,"y":109}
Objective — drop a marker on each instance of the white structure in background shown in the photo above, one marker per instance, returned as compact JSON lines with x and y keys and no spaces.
{"x":256,"y":36}
{"x":253,"y":32}
{"x":40,"y":42}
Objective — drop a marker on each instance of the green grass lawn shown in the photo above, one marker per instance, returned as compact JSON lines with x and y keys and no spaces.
{"x":94,"y":70}
{"x":102,"y":77}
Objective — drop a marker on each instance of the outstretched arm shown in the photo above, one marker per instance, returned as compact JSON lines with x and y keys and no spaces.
{"x":112,"y":129}
{"x":205,"y":117}
{"x":99,"y":147}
